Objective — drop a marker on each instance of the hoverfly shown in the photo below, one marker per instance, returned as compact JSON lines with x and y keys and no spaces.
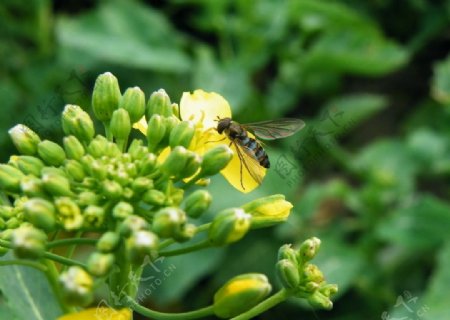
{"x":251,"y":154}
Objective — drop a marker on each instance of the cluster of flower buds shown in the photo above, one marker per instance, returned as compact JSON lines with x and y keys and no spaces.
{"x":302,"y":278}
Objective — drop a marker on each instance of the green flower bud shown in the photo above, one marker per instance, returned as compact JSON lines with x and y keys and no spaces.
{"x":32,"y":187}
{"x":69,"y":213}
{"x":56,"y":185}
{"x":86,"y":198}
{"x":312,"y":273}
{"x":132,"y":224}
{"x":168,"y":222}
{"x":127,"y":193}
{"x":141,"y":184}
{"x":94,"y":216}
{"x":111,"y":189}
{"x":51,"y":153}
{"x":229,"y":226}
{"x":113,"y":150}
{"x":98,"y":170}
{"x":120,"y":124}
{"x":74,"y":148}
{"x":75,"y":170}
{"x":182,"y":134}
{"x":28,"y":242}
{"x":77,"y":122}
{"x":27,"y":164}
{"x":77,"y":286}
{"x":13,"y":223}
{"x":98,"y":147}
{"x":159,"y":103}
{"x":133,"y":100}
{"x":108,"y":242}
{"x":10,"y":178}
{"x":122,"y":210}
{"x":181,"y":163}
{"x":106,"y":96}
{"x":100,"y":264}
{"x":6,"y":212}
{"x":136,"y":150}
{"x":130,"y":169}
{"x":53,"y":170}
{"x":156,"y":131}
{"x":2,"y":225}
{"x":240,"y":294}
{"x":24,"y":139}
{"x":175,"y":110}
{"x":197,"y":203}
{"x":176,"y":196}
{"x":286,"y":252}
{"x":329,"y":289}
{"x":186,"y":233}
{"x":308,"y":249}
{"x":147,"y":164}
{"x":121,"y":176}
{"x":215,"y":159}
{"x":193,"y":163}
{"x":268,"y":211}
{"x":319,"y":300}
{"x":141,"y":244}
{"x":154,"y":197}
{"x":287,"y":272}
{"x":40,"y":213}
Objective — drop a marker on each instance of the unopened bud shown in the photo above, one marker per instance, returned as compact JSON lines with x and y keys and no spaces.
{"x":318,"y":299}
{"x":229,"y":226}
{"x":154,"y":197}
{"x":28,"y":164}
{"x":86,"y":198}
{"x":181,"y":163}
{"x":51,"y":153}
{"x":287,"y":272}
{"x":75,"y":170}
{"x":111,"y":189}
{"x":108,"y":242}
{"x":120,"y":124}
{"x":147,"y":164}
{"x":268,"y":211}
{"x":156,"y":131}
{"x":40,"y":213}
{"x":168,"y":222}
{"x":308,"y":249}
{"x":94,"y":216}
{"x":133,"y":100}
{"x":159,"y":103}
{"x":132,"y":224}
{"x":122,"y":210}
{"x":73,"y":147}
{"x":10,"y":178}
{"x":141,"y":244}
{"x":182,"y":134}
{"x":77,"y":122}
{"x":28,"y":242}
{"x":100,"y":264}
{"x":141,"y":184}
{"x":69,"y":213}
{"x":32,"y":187}
{"x":77,"y":286}
{"x":215,"y":159}
{"x":24,"y":139}
{"x":56,"y":185}
{"x":98,"y":147}
{"x":197,"y":203}
{"x":287,"y":252}
{"x":105,"y":97}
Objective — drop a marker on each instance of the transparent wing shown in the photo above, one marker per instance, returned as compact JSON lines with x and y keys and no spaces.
{"x":275,"y":129}
{"x":249,"y":165}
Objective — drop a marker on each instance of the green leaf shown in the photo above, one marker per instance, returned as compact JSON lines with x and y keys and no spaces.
{"x":440,"y":84}
{"x":125,"y":33}
{"x":422,"y":224}
{"x":27,"y":292}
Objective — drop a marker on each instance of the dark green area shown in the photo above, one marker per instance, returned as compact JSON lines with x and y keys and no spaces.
{"x":369,"y":174}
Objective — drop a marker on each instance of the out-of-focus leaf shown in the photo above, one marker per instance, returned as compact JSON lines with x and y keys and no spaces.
{"x":27,"y":292}
{"x":434,"y":300}
{"x":355,"y":52}
{"x":125,"y":33}
{"x":440,"y":84}
{"x":423,"y":223}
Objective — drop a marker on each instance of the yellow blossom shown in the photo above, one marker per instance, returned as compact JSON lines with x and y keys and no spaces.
{"x":100,"y":313}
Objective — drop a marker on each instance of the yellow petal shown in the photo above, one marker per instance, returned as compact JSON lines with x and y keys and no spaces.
{"x":100,"y":313}
{"x":204,"y":107}
{"x":141,"y":125}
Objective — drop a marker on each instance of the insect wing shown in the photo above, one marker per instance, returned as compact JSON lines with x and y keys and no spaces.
{"x":275,"y":129}
{"x":249,"y":165}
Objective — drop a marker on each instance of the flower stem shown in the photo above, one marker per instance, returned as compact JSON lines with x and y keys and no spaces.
{"x":52,"y":276}
{"x":198,"y":246}
{"x":22,"y":262}
{"x":199,"y":313}
{"x":71,"y":241}
{"x":270,"y":302}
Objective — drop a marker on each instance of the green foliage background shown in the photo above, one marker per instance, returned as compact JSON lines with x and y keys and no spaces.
{"x":369,"y":174}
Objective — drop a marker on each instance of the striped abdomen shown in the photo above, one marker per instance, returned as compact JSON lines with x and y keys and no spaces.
{"x":255,"y":148}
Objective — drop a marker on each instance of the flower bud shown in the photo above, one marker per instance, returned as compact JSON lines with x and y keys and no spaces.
{"x":132,"y":224}
{"x":105,"y":97}
{"x":98,"y":170}
{"x":287,"y":272}
{"x":159,"y":103}
{"x":141,"y":184}
{"x":120,"y":124}
{"x":312,"y":273}
{"x":286,"y":252}
{"x":6,"y":212}
{"x":268,"y":211}
{"x":141,"y":244}
{"x":94,"y":216}
{"x":56,"y":185}
{"x":51,"y":153}
{"x":168,"y":222}
{"x":193,"y":163}
{"x":10,"y":178}
{"x":77,"y":122}
{"x":27,"y":164}
{"x":108,"y":242}
{"x":24,"y":139}
{"x":186,"y":233}
{"x":147,"y":164}
{"x":133,"y":100}
{"x":175,"y":110}
{"x":229,"y":226}
{"x":28,"y":242}
{"x":240,"y":294}
{"x":182,"y":134}
{"x":122,"y":210}
{"x":136,"y":150}
{"x":32,"y":187}
{"x":111,"y":189}
{"x":156,"y":131}
{"x":318,"y":299}
{"x":69,"y":213}
{"x":77,"y":286}
{"x":13,"y":223}
{"x":329,"y":289}
{"x":40,"y":213}
{"x":86,"y":198}
{"x":73,"y":147}
{"x":98,"y":147}
{"x":308,"y":249}
{"x":154,"y":197}
{"x":215,"y":159}
{"x":100,"y":264}
{"x":197,"y":203}
{"x":181,"y":163}
{"x":75,"y":170}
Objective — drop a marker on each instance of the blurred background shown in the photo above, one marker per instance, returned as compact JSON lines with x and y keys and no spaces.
{"x":369,"y":175}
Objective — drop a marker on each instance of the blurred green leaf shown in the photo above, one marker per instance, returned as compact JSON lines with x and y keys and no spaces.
{"x":440,"y":83}
{"x":421,"y":224}
{"x":27,"y":292}
{"x":127,"y":34}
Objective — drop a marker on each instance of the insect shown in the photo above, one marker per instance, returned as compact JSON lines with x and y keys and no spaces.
{"x":251,"y":154}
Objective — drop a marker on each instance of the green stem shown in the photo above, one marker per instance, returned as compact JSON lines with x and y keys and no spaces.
{"x":108,"y":132}
{"x":199,"y":313}
{"x":270,"y":302}
{"x":71,"y":241}
{"x":27,"y":263}
{"x":72,"y":248}
{"x":198,"y":246}
{"x":53,"y":276}
{"x":63,"y":260}
{"x":168,"y":242}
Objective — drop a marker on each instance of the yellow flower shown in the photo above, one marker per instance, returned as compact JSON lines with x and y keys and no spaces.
{"x":268,"y":210}
{"x":204,"y":109}
{"x":100,"y":313}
